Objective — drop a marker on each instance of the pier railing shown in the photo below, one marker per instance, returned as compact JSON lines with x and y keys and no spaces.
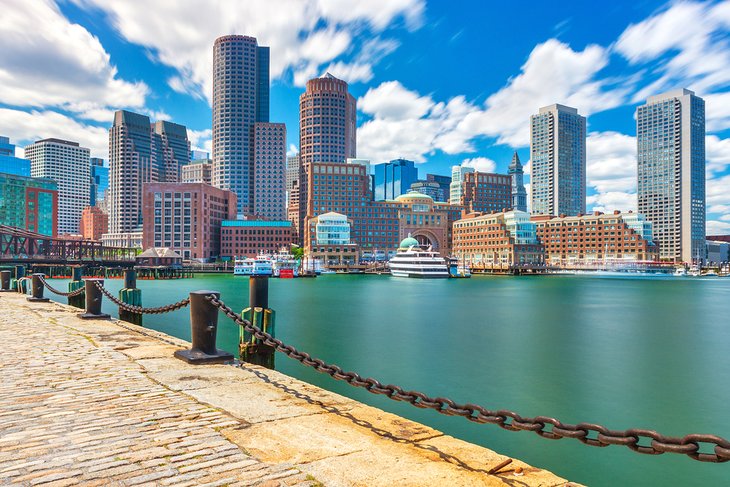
{"x":204,"y":319}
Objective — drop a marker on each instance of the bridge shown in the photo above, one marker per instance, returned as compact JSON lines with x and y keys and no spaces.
{"x":21,"y":246}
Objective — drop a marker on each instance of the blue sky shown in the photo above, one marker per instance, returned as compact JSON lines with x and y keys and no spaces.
{"x":439,"y":84}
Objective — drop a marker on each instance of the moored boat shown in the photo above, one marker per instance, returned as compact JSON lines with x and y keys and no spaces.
{"x":412,"y":261}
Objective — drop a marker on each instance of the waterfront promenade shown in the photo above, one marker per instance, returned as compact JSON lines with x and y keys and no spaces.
{"x":105,"y":403}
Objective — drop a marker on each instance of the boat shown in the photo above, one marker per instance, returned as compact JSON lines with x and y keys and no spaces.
{"x":285,"y":265}
{"x":246,"y":266}
{"x":413,"y":261}
{"x":710,"y":273}
{"x":695,"y":271}
{"x":680,"y":272}
{"x":457,"y":271}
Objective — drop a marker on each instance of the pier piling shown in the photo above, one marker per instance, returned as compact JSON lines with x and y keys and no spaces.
{"x":130,"y":295}
{"x":93,"y":301}
{"x":252,"y":350}
{"x":203,"y":330}
{"x":76,"y":284}
{"x":5,"y":281}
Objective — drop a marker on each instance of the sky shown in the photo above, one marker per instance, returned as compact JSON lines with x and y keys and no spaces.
{"x":439,"y":82}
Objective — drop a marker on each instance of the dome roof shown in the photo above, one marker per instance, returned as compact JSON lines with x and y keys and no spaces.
{"x":413,"y":195}
{"x":408,"y":242}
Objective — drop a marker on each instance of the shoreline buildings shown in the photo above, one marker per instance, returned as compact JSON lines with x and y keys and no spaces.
{"x":29,"y":203}
{"x":558,"y":154}
{"x":670,"y":131}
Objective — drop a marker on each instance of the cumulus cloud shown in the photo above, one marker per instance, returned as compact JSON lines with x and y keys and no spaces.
{"x":611,"y":200}
{"x":293,"y":150}
{"x":717,"y":152}
{"x":306,"y":36}
{"x":201,"y":140}
{"x":480,"y":164}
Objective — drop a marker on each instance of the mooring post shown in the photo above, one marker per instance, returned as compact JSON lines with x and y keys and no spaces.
{"x":130,"y":295}
{"x":76,"y":284}
{"x":37,"y":289}
{"x":252,"y":350}
{"x":93,"y":301}
{"x":203,"y":330}
{"x":5,"y":281}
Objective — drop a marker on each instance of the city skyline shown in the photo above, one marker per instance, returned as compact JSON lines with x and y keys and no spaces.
{"x":605,"y":73}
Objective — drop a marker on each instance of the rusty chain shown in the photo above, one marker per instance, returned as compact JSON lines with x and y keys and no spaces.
{"x":71,"y":294}
{"x":639,"y":440}
{"x":139,"y":309}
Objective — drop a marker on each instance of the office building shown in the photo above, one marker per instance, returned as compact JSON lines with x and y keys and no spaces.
{"x":186,"y":217}
{"x":269,"y":198}
{"x":429,"y":188}
{"x":240,"y":99}
{"x":9,"y":164}
{"x":292,"y":172}
{"x":249,"y":238}
{"x":29,"y":203}
{"x":598,"y":240}
{"x":141,"y":152}
{"x":444,"y":183}
{"x":483,"y":192}
{"x":198,"y":171}
{"x":99,"y":182}
{"x":94,"y":223}
{"x":517,"y":175}
{"x":455,"y":187}
{"x":127,"y":240}
{"x":718,"y":252}
{"x":327,"y":134}
{"x":504,"y":241}
{"x":558,"y":153}
{"x":394,"y":178}
{"x":68,"y":164}
{"x":670,"y":131}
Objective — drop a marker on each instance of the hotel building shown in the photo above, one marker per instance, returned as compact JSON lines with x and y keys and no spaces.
{"x":68,"y":164}
{"x":249,"y":238}
{"x":597,"y":240}
{"x":558,"y":153}
{"x":670,"y":131}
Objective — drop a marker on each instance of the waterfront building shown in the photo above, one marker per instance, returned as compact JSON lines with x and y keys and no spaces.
{"x":141,"y":152}
{"x":127,"y":240}
{"x":327,"y":134}
{"x":9,"y":164}
{"x":597,"y":240}
{"x":718,"y":252}
{"x":29,"y":203}
{"x":421,"y":218}
{"x":330,"y":240}
{"x":455,"y":187}
{"x":186,"y":217}
{"x":249,"y":238}
{"x":517,"y":174}
{"x":99,"y":182}
{"x":444,"y":183}
{"x":428,"y":188}
{"x":94,"y":223}
{"x":240,"y":99}
{"x":670,"y":131}
{"x":483,"y":192}
{"x":198,"y":171}
{"x":394,"y":178}
{"x":558,"y":153}
{"x":67,"y":163}
{"x":159,"y":257}
{"x":498,"y":241}
{"x":269,"y":198}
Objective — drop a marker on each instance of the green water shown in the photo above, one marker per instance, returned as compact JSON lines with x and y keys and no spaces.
{"x":647,"y":352}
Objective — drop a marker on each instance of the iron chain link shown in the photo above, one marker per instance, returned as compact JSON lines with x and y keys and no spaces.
{"x":139,"y":309}
{"x":71,"y":294}
{"x":639,"y":440}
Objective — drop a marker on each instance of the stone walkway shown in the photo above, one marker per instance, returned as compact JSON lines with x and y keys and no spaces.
{"x":73,"y":411}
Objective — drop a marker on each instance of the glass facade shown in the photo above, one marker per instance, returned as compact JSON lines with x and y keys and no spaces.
{"x":9,"y":164}
{"x":332,"y":229}
{"x":28,"y":203}
{"x":394,"y":178}
{"x":455,"y":187}
{"x":99,"y":181}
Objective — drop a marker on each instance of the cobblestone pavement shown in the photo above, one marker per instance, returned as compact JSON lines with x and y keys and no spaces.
{"x":74,"y":411}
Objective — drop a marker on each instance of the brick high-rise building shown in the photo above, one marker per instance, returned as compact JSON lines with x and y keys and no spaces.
{"x":483,"y":192}
{"x":240,"y":99}
{"x":68,"y":164}
{"x":269,"y":199}
{"x":94,"y":223}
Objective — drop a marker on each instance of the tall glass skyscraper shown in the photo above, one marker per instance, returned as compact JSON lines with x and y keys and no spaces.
{"x":240,"y":99}
{"x":9,"y":164}
{"x":394,"y":178}
{"x":558,"y":153}
{"x":99,"y":181}
{"x":670,"y":131}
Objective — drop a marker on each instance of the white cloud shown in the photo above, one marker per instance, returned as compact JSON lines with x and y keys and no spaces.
{"x":391,"y":101}
{"x":717,"y":152}
{"x":27,"y":127}
{"x":611,"y":164}
{"x":305,"y":35}
{"x":201,"y":139}
{"x":718,"y":191}
{"x":717,"y":111}
{"x":714,"y":227}
{"x":293,"y":150}
{"x":480,"y":164}
{"x":46,"y":61}
{"x":612,"y":200}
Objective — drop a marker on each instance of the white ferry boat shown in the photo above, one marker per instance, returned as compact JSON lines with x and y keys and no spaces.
{"x":680,"y":272}
{"x":412,"y":261}
{"x":285,"y":265}
{"x":252,"y":267}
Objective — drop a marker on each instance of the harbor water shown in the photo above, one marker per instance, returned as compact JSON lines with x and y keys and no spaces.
{"x":624,"y":351}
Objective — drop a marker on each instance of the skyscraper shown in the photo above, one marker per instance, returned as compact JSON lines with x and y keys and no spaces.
{"x":99,"y":181}
{"x":270,"y":171}
{"x":240,"y":99}
{"x":519,"y":195}
{"x":141,"y":152}
{"x":68,"y":164}
{"x":394,"y":178}
{"x":455,"y":188}
{"x":558,"y":153}
{"x":9,"y":164}
{"x":670,"y":131}
{"x":327,"y":133}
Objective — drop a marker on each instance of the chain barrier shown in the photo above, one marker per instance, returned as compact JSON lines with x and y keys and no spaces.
{"x":139,"y":309}
{"x":71,"y":294}
{"x":639,"y":440}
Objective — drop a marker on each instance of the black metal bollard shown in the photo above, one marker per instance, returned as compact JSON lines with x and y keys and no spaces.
{"x":93,"y":301}
{"x":251,"y":350}
{"x":5,"y":281}
{"x":37,"y":289}
{"x":203,"y":328}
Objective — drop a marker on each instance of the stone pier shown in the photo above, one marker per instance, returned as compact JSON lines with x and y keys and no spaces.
{"x":105,"y":403}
